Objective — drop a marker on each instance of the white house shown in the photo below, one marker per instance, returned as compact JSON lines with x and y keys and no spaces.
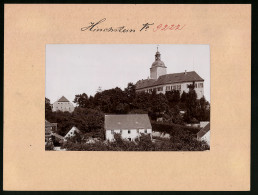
{"x":161,"y":81}
{"x":63,"y":105}
{"x":130,"y":126}
{"x":72,"y":131}
{"x":204,"y":134}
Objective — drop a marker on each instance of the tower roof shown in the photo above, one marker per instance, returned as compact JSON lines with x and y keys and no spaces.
{"x":158,"y":62}
{"x":63,"y":99}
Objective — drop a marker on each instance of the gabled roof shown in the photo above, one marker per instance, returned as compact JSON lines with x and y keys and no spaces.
{"x":127,"y":121}
{"x":203,"y":131}
{"x":73,"y":129}
{"x":63,"y":99}
{"x":145,"y":83}
{"x":169,"y":79}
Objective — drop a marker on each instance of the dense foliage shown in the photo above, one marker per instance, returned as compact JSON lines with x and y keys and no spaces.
{"x":182,"y":142}
{"x":167,"y":105}
{"x":88,"y":116}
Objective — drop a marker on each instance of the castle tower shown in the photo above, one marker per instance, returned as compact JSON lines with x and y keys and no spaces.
{"x":158,"y":67}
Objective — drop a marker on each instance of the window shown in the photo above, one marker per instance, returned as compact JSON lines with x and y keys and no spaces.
{"x":160,"y":89}
{"x":195,"y":85}
{"x":129,"y":131}
{"x":167,"y":88}
{"x":137,"y":130}
{"x":129,"y":139}
{"x":200,"y":85}
{"x":112,"y":131}
{"x":174,"y":87}
{"x":145,"y":131}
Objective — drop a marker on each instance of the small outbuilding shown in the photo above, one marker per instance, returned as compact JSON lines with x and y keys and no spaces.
{"x":72,"y":132}
{"x":49,"y":129}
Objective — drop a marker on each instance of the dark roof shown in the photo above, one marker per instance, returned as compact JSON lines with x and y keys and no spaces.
{"x":169,"y":79}
{"x":48,"y":124}
{"x":127,"y":121}
{"x":58,"y":136}
{"x":63,"y":99}
{"x":203,"y":131}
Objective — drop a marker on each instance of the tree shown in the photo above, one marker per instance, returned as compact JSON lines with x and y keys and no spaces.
{"x":159,"y":104}
{"x":87,"y":120}
{"x":203,"y":110}
{"x":130,"y":93}
{"x":81,"y":100}
{"x":173,"y":97}
{"x":142,"y":101}
{"x":191,"y":105}
{"x":47,"y":105}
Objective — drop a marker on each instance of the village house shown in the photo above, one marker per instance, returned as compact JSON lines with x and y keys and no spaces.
{"x":63,"y":105}
{"x":129,"y":126}
{"x":72,"y":132}
{"x":204,"y":134}
{"x":49,"y":129}
{"x":51,"y":135}
{"x":161,"y":81}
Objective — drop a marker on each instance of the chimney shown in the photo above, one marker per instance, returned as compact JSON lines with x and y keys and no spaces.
{"x":185,"y":72}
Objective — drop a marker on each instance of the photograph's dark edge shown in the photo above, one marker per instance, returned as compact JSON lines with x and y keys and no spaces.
{"x":254,"y":98}
{"x":254,"y":95}
{"x":2,"y":90}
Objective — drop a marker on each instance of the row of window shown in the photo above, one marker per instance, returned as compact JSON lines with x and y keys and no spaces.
{"x":173,"y":87}
{"x":64,"y":108}
{"x":197,"y":85}
{"x":129,"y":131}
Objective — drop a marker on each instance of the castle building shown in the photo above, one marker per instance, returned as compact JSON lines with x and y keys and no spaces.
{"x":161,"y":81}
{"x":63,"y":105}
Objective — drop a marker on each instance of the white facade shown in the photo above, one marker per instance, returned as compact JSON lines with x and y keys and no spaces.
{"x":128,"y":134}
{"x":63,"y":106}
{"x":156,"y":72}
{"x":181,"y":87}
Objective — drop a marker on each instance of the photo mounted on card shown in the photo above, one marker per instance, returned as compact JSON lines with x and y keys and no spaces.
{"x":109,"y":95}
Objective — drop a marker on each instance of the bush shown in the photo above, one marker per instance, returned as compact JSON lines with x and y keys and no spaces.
{"x":49,"y":145}
{"x":173,"y":129}
{"x":179,"y":142}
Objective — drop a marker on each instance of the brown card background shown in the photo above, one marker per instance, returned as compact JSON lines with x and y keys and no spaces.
{"x":27,"y":166}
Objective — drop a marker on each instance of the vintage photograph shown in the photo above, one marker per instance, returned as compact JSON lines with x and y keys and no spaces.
{"x":127,"y":97}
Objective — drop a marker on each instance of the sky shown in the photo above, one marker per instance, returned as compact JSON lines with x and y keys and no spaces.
{"x":73,"y":69}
